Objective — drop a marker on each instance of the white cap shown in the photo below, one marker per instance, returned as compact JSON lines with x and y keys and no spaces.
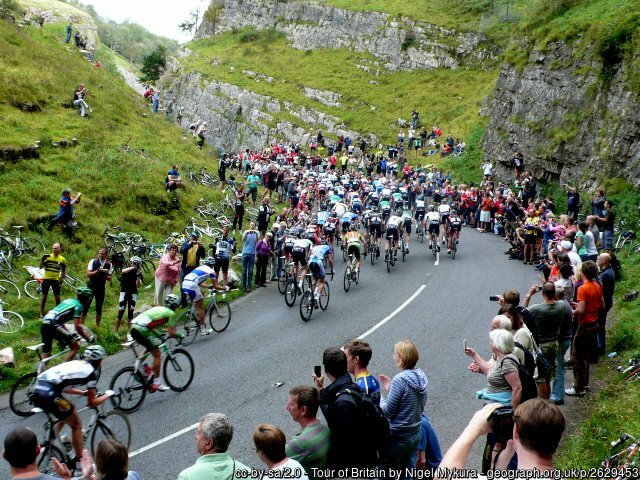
{"x":566,"y":245}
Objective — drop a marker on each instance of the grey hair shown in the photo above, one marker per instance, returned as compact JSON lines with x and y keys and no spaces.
{"x":217,"y":426}
{"x":504,"y":322}
{"x":502,"y":340}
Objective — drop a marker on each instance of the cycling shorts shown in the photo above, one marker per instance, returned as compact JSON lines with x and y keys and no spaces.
{"x":392,"y":232}
{"x":420,"y":215}
{"x":329,"y":229}
{"x":299,"y":256}
{"x":407,"y":225}
{"x":443,"y":218}
{"x":192,"y":290}
{"x":145,"y":337}
{"x":434,"y":228}
{"x":221,"y":264}
{"x":354,"y":249}
{"x":317,"y":270}
{"x":376,"y":229}
{"x":457,"y":226}
{"x":51,"y":284}
{"x":357,"y":207}
{"x":52,"y":332}
{"x":288,"y":248}
{"x":48,"y":397}
{"x":345,"y":226}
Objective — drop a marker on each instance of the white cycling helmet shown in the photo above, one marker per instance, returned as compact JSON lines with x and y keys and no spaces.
{"x":94,"y":353}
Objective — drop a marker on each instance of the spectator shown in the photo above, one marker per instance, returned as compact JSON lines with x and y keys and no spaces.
{"x":310,"y":447}
{"x":270,"y":447}
{"x":608,"y":283}
{"x":566,"y":247}
{"x":359,"y":354}
{"x":200,"y":134}
{"x":173,"y":180}
{"x":130,"y":281}
{"x":573,"y":201}
{"x":587,"y":310}
{"x":69,"y":33}
{"x":485,"y":213}
{"x":264,"y":214}
{"x":55,"y":267}
{"x":263,"y":252}
{"x":415,"y":119}
{"x":565,"y":281}
{"x":564,"y":342}
{"x":223,"y":164}
{"x":548,"y":317}
{"x":167,"y":275}
{"x":597,"y":204}
{"x":349,"y":448}
{"x":66,"y":214}
{"x":429,"y":453}
{"x":222,"y":250}
{"x":79,"y":97}
{"x":156,"y":101}
{"x":21,"y":450}
{"x":512,"y":297}
{"x":595,"y":231}
{"x":99,"y":272}
{"x":250,"y":243}
{"x":213,"y":436}
{"x":404,"y":405}
{"x":253,"y":181}
{"x":241,"y":196}
{"x":487,"y":170}
{"x":538,"y":427}
{"x":192,"y":252}
{"x":112,"y":463}
{"x":608,"y":219}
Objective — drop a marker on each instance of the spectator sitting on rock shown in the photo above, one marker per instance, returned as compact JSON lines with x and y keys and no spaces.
{"x":79,"y":100}
{"x":173,"y":180}
{"x":65,"y":214}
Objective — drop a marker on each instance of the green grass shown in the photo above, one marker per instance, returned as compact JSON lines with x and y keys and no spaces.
{"x":451,"y":98}
{"x":117,"y":188}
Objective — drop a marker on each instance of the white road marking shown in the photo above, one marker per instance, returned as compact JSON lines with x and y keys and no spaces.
{"x":365,"y":334}
{"x":437,"y":262}
{"x":164,"y":440}
{"x":392,"y":314}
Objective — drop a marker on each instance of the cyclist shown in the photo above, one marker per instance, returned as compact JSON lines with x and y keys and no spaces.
{"x":53,"y":324}
{"x":398,"y":202}
{"x":145,"y":329}
{"x":323,"y":215}
{"x":68,"y":378}
{"x":455,"y":225}
{"x":191,"y":286}
{"x":299,"y":254}
{"x":347,"y":220}
{"x":354,"y":244}
{"x":318,"y":253}
{"x":421,"y":211}
{"x":408,"y":220}
{"x":385,"y":209}
{"x":433,"y":222}
{"x":393,"y":232}
{"x":375,"y":228}
{"x":330,"y":227}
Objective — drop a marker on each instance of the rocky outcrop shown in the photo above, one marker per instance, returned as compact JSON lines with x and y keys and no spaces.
{"x":62,"y":13}
{"x":239,"y":118}
{"x":401,"y":44}
{"x":569,"y":121}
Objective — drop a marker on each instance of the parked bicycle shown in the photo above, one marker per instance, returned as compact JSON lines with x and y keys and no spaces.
{"x":217,"y":312}
{"x":132,"y":383}
{"x":10,"y":322}
{"x":111,"y":425}
{"x":9,"y":289}
{"x":19,"y":245}
{"x":624,"y":464}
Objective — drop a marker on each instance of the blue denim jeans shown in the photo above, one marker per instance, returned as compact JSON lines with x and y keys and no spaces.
{"x":557,"y":390}
{"x":248,"y":261}
{"x":403,"y":451}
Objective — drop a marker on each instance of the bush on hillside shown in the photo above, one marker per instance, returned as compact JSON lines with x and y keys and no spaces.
{"x":154,"y":64}
{"x":9,"y":9}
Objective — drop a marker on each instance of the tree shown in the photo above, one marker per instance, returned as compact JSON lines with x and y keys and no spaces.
{"x":191,"y":24}
{"x":212,"y":16}
{"x":154,"y":64}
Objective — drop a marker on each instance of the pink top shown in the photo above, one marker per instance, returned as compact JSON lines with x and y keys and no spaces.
{"x":168,"y":270}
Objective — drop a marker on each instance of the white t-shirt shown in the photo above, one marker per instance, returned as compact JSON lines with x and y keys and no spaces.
{"x":590,"y":243}
{"x":575,"y":260}
{"x":291,"y":469}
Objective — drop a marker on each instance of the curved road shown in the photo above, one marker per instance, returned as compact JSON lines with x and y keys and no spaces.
{"x":267,"y":343}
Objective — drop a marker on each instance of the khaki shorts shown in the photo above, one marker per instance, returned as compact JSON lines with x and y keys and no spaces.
{"x":549,"y":351}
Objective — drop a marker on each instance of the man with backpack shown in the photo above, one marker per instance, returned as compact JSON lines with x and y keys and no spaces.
{"x":342,"y":404}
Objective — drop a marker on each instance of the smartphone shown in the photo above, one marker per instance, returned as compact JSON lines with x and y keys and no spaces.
{"x":539,"y":288}
{"x":317,"y":370}
{"x":464,"y":344}
{"x":494,"y":298}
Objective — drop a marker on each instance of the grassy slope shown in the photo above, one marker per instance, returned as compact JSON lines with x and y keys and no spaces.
{"x":117,"y":188}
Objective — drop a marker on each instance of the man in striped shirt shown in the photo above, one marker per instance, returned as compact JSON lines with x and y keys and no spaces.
{"x":310,"y":447}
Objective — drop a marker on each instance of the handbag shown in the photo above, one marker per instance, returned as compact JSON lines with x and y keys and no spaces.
{"x":543,"y":365}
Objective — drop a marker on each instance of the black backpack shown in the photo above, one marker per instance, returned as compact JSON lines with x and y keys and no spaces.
{"x":529,"y":389}
{"x":375,"y":425}
{"x":529,"y":359}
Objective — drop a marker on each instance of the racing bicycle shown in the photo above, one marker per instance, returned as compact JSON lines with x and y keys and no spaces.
{"x":218,"y":312}
{"x":350,"y":273}
{"x":308,"y":301}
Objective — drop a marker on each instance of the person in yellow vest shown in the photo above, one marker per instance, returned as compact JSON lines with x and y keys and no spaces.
{"x":343,"y":162}
{"x":55,"y":266}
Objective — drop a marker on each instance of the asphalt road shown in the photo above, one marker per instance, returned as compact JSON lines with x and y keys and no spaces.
{"x":267,"y":343}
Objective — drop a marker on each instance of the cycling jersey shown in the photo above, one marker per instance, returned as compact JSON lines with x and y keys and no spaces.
{"x":395,"y":221}
{"x":318,"y":253}
{"x":224,"y":247}
{"x":323,"y":216}
{"x":302,"y":243}
{"x":455,"y":223}
{"x":369,"y":385}
{"x":444,"y":210}
{"x":353,"y":237}
{"x":433,"y":218}
{"x":53,"y":266}
{"x":155,"y":317}
{"x":62,"y":313}
{"x":199,"y":275}
{"x":375,"y":219}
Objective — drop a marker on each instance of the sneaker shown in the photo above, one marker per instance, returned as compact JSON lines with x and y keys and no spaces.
{"x":438,"y":249}
{"x":430,"y":247}
{"x":129,"y":337}
{"x":406,"y":250}
{"x":448,"y":251}
{"x":158,"y":387}
{"x":205,"y":331}
{"x":572,"y":392}
{"x":457,"y":242}
{"x":557,"y":402}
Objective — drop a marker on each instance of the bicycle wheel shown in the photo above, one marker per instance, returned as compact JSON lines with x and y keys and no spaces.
{"x":47,"y":452}
{"x":11,"y":322}
{"x":8,"y":270}
{"x":387,"y":258}
{"x":219,"y":316}
{"x":372,"y":253}
{"x":344,"y":254}
{"x":282,"y":282}
{"x":454,"y":249}
{"x":306,"y":306}
{"x":347,"y":278}
{"x":32,"y":247}
{"x":114,"y":425}
{"x":148,"y":270}
{"x":9,"y":289}
{"x":291,"y":292}
{"x":33,"y":289}
{"x":404,"y":251}
{"x":188,"y":324}
{"x":178,"y":370}
{"x":130,"y":389}
{"x":324,"y":297}
{"x":21,"y":392}
{"x":5,"y":247}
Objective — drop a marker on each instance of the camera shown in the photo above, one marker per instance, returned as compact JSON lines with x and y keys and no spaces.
{"x":494,"y":298}
{"x":502,"y":424}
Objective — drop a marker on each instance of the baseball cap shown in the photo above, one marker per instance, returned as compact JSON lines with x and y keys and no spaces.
{"x":195,"y":234}
{"x":566,"y":245}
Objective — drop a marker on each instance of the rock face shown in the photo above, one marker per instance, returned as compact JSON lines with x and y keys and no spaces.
{"x":569,"y":122}
{"x":239,"y":118}
{"x":401,"y":44}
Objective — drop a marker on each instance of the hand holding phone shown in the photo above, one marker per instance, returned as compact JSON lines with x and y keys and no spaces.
{"x":464,"y":344}
{"x":317,"y":370}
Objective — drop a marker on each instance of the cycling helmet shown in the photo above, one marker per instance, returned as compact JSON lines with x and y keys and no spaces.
{"x":136,"y":260}
{"x":333,"y":214}
{"x":353,"y":227}
{"x":85,"y":292}
{"x":209,"y":261}
{"x":94,"y":353}
{"x":172,"y":301}
{"x":323,"y":207}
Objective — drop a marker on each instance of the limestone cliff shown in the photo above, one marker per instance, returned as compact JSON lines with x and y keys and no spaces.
{"x":569,"y":120}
